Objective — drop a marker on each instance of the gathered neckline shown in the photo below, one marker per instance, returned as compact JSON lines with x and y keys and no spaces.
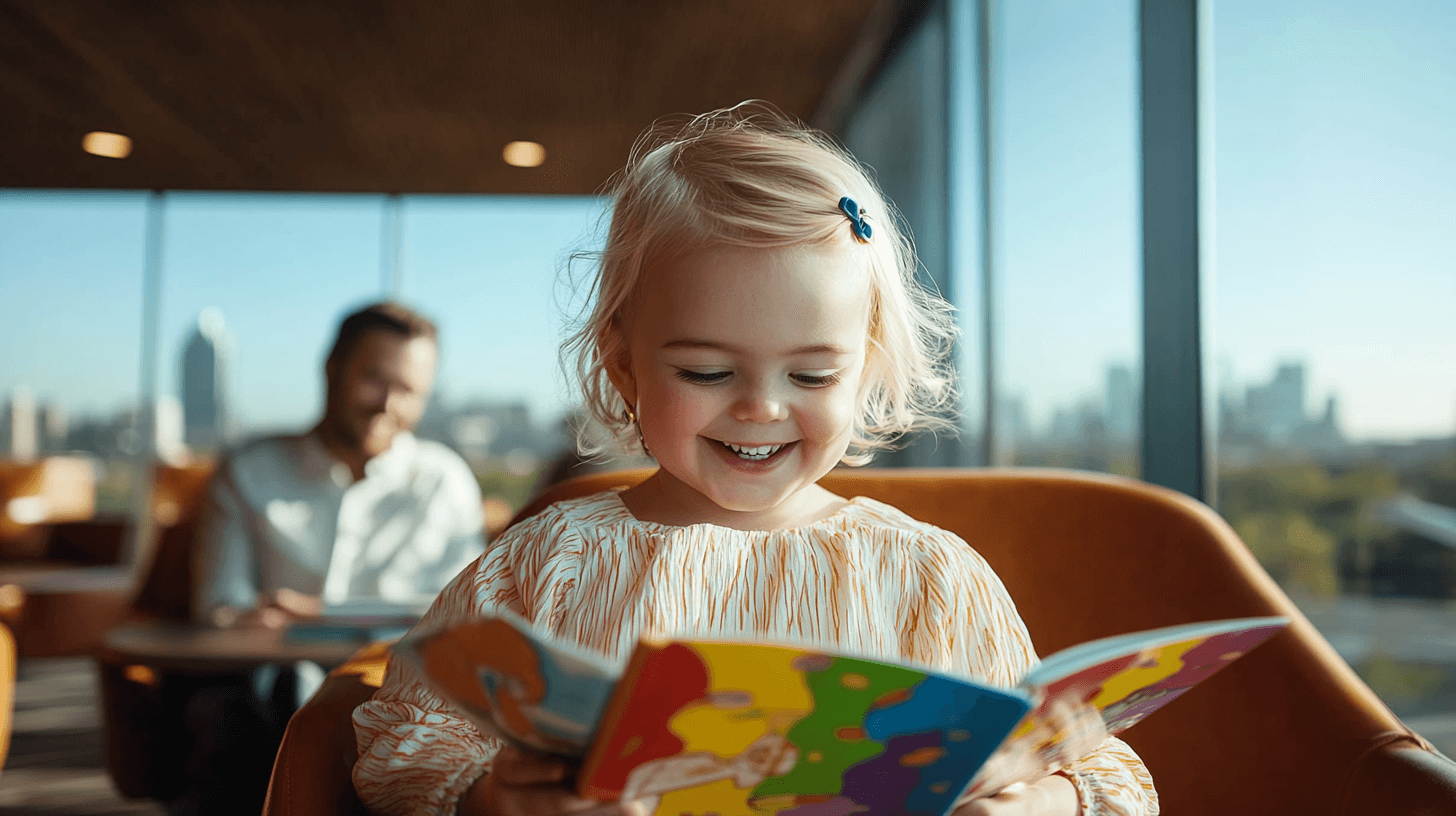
{"x":622,"y":513}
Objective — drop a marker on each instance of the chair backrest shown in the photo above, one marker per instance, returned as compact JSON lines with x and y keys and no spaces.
{"x":179,"y":490}
{"x":1287,"y":729}
{"x":166,"y":581}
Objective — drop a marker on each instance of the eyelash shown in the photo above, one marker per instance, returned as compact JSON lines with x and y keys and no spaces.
{"x":817,"y":380}
{"x":715,"y":377}
{"x":699,"y":378}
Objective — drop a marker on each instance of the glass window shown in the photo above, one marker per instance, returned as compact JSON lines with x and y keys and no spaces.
{"x":497,"y":274}
{"x":901,"y":129}
{"x":253,"y":288}
{"x":1066,"y":234}
{"x":70,"y":324}
{"x":1335,"y":347}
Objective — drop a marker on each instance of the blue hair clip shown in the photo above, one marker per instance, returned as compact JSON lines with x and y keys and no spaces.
{"x":857,"y":217}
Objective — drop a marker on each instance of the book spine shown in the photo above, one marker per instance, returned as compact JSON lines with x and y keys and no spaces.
{"x":607,"y":727}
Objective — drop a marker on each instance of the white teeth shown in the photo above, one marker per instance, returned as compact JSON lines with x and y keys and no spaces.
{"x":752,"y":454}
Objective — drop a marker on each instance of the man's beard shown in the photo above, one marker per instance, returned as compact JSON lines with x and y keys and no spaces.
{"x":373,"y":444}
{"x":351,"y":432}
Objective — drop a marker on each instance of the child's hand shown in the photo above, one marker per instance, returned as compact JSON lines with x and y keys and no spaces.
{"x":521,"y":784}
{"x":1052,"y":795}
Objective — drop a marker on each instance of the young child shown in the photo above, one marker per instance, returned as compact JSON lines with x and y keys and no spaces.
{"x":756,"y":321}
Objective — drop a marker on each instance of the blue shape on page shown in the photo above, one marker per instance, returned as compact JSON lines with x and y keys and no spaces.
{"x":965,"y":721}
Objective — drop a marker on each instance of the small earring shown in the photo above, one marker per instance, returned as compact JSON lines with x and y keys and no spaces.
{"x":631,"y":417}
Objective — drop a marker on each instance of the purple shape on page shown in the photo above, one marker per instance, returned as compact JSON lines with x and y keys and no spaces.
{"x":883,"y":785}
{"x":838,"y":806}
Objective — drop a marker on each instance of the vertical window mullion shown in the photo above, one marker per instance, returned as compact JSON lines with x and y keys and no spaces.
{"x":1172,"y":438}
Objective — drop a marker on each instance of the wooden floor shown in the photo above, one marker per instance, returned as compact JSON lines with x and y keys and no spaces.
{"x":56,"y":764}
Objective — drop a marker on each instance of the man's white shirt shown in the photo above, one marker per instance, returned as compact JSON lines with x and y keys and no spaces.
{"x":283,"y":513}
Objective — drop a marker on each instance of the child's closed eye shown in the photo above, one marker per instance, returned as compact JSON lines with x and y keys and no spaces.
{"x":807,"y":379}
{"x":702,"y":377}
{"x":817,"y":380}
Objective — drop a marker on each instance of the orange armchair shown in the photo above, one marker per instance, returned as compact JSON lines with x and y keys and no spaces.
{"x":58,"y":574}
{"x":1288,"y":729}
{"x":7,"y":690}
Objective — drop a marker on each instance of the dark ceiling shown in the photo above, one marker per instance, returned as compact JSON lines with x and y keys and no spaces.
{"x":397,"y":95}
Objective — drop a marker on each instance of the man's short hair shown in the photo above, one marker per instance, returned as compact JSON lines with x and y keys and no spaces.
{"x":386,"y":316}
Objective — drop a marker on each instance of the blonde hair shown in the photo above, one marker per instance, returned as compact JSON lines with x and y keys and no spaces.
{"x":748,"y":176}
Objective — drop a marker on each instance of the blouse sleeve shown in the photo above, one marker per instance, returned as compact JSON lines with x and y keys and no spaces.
{"x":1112,"y":781}
{"x":416,"y":755}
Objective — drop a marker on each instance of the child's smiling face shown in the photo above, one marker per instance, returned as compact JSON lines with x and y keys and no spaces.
{"x":745,"y":369}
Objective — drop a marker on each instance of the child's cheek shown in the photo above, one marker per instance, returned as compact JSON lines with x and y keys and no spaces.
{"x":677,"y":413}
{"x":835,"y":418}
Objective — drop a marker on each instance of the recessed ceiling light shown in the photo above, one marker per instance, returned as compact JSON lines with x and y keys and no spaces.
{"x":524,"y":154}
{"x":111,"y":145}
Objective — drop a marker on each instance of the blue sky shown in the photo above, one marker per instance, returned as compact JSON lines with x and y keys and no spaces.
{"x":1336,"y":196}
{"x":1328,"y":126}
{"x":1333,"y":191}
{"x":282,"y":269}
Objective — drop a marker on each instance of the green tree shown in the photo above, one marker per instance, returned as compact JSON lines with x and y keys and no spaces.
{"x":1299,"y":517}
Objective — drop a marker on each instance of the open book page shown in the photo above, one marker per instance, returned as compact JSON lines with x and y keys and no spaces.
{"x":731,"y":727}
{"x":723,"y":727}
{"x":1103,"y":687}
{"x":514,"y":683}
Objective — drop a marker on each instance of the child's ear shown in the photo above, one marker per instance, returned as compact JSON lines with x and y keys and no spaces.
{"x":619,"y":368}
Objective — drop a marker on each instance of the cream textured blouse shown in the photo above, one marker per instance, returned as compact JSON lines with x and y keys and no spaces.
{"x":868,"y":580}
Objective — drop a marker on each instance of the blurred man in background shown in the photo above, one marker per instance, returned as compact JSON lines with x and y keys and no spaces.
{"x":356,"y":510}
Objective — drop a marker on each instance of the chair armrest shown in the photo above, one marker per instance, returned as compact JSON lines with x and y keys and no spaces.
{"x":1400,"y":778}
{"x":313,"y":774}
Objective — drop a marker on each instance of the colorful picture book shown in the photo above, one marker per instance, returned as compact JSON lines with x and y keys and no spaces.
{"x":729,"y":728}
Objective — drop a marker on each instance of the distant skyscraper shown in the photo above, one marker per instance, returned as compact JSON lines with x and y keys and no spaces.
{"x":20,"y":426}
{"x":1122,"y":404}
{"x":1013,"y":429}
{"x":1277,"y":410}
{"x":204,"y":398}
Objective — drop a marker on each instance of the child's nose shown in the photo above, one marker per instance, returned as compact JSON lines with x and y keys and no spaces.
{"x":760,"y":404}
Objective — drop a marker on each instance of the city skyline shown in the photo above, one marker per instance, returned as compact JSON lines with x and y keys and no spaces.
{"x":539,"y":385}
{"x":1330,"y":190}
{"x":1281,"y":413}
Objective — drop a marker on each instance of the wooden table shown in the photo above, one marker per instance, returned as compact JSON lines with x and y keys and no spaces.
{"x":186,"y":647}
